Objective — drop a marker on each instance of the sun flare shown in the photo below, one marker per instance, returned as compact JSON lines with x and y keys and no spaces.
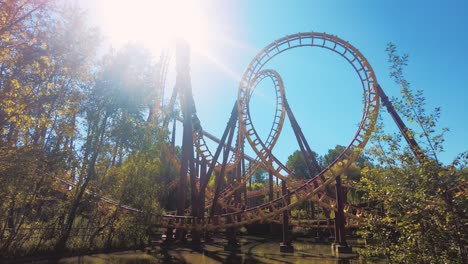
{"x":155,"y":23}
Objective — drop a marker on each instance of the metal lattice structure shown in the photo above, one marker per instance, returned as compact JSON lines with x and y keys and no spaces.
{"x":226,"y":205}
{"x":223,"y":207}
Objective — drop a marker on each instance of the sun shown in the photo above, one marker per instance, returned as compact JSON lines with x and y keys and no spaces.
{"x":155,"y":23}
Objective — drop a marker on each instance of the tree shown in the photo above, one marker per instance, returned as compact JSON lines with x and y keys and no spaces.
{"x":44,"y":55}
{"x":298,"y":166}
{"x":260,"y":176}
{"x":114,"y":121}
{"x":425,"y":214}
{"x":333,"y":154}
{"x":65,"y":117}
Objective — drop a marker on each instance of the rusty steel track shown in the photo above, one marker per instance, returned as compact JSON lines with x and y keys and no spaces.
{"x":302,"y":190}
{"x":226,"y":194}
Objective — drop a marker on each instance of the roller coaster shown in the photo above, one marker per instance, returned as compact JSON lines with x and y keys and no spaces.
{"x":225,"y":206}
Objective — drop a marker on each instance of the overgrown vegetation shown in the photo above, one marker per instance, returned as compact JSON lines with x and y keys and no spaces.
{"x":66,"y":115}
{"x":425,"y":211}
{"x":417,"y":207}
{"x":75,"y":129}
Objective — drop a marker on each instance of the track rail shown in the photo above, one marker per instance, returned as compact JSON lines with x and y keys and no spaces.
{"x":302,"y":190}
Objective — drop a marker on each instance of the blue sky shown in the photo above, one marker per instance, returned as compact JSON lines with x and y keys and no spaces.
{"x":323,"y":91}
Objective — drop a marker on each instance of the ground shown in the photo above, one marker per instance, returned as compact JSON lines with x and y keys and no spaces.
{"x":253,"y":250}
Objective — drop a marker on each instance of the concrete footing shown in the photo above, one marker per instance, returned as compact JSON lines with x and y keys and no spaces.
{"x":286,"y":248}
{"x":341,"y":249}
{"x":232,"y":247}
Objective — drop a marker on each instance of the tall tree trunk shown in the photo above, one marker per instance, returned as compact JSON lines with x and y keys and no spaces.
{"x":90,"y":173}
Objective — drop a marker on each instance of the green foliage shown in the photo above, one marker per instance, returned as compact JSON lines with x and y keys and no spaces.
{"x":423,"y":212}
{"x":333,"y":154}
{"x":64,"y":114}
{"x":412,"y":106}
{"x":297,"y":165}
{"x":260,"y":177}
{"x":424,"y":217}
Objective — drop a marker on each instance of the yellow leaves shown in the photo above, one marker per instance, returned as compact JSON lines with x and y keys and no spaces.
{"x":49,"y":86}
{"x":35,"y":65}
{"x":45,"y":60}
{"x":3,"y":19}
{"x":14,"y":83}
{"x":5,"y":37}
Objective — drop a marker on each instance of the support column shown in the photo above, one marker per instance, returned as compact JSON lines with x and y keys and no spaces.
{"x":188,"y":110}
{"x":340,"y":245}
{"x":169,"y":236}
{"x":286,"y":246}
{"x":270,"y":198}
{"x":270,"y":187}
{"x":231,"y":236}
{"x":196,"y":235}
{"x":242,"y":164}
{"x":202,"y":197}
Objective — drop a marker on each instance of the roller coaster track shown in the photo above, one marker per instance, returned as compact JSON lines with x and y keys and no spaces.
{"x":314,"y":189}
{"x":155,"y":109}
{"x":461,"y":189}
{"x":273,"y":135}
{"x":70,"y":184}
{"x":254,"y":164}
{"x":307,"y":190}
{"x":303,"y":190}
{"x":329,"y":42}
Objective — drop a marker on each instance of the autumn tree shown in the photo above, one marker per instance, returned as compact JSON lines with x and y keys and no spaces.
{"x":44,"y":60}
{"x":66,"y":115}
{"x":114,"y":122}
